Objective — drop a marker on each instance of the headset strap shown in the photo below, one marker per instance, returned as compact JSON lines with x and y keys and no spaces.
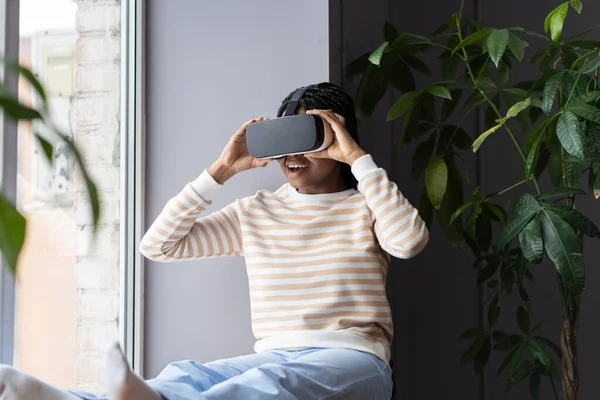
{"x":293,"y":104}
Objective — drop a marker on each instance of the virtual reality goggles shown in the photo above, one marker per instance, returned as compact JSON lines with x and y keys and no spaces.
{"x":290,"y":134}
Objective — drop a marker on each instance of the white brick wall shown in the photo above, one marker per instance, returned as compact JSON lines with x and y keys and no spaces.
{"x":96,"y":128}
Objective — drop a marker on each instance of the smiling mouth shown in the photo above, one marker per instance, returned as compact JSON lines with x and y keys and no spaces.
{"x":296,"y":167}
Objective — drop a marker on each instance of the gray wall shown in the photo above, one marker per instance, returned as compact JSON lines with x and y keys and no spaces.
{"x":210,"y":68}
{"x":433,"y":296}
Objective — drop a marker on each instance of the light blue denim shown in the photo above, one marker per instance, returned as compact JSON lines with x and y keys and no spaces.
{"x":303,"y":374}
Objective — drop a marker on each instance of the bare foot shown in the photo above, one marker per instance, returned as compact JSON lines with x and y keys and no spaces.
{"x":120,"y":381}
{"x":15,"y":385}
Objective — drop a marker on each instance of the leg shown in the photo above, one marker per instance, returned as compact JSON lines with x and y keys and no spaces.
{"x":15,"y":385}
{"x":314,"y":374}
{"x":178,"y":381}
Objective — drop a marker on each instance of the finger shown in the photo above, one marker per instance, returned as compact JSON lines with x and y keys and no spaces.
{"x":341,"y":118}
{"x":318,"y":154}
{"x":242,"y":129}
{"x":329,"y":117}
{"x":263,"y":162}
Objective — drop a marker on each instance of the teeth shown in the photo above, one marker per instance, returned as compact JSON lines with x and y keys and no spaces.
{"x":297,"y":166}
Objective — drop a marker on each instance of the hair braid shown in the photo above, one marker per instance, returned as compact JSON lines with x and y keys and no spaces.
{"x":328,"y":96}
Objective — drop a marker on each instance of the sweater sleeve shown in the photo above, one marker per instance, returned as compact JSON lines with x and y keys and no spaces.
{"x":180,"y":233}
{"x":399,"y":228}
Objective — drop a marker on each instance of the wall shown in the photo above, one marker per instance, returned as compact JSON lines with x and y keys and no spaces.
{"x":209,"y":69}
{"x":433,"y":296}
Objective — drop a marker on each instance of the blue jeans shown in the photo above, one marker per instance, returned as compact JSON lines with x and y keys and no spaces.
{"x":302,"y":374}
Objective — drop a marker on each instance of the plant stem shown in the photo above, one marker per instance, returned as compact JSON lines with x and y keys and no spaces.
{"x":435,"y":44}
{"x":505,"y":190}
{"x":571,"y":307}
{"x":584,"y":33}
{"x":491,"y":104}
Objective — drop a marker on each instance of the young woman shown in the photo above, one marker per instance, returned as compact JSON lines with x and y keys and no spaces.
{"x":317,"y":252}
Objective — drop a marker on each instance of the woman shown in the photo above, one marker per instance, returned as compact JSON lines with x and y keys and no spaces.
{"x":317,"y":252}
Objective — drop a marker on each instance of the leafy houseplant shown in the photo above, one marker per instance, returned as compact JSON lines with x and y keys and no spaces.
{"x":12,"y":222}
{"x":559,"y":114}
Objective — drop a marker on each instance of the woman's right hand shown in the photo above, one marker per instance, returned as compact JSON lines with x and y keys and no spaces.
{"x":235,"y":157}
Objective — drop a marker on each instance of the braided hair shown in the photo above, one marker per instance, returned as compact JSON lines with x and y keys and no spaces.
{"x":328,"y":96}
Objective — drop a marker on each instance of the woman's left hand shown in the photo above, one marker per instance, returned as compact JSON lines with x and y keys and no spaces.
{"x":344,"y":148}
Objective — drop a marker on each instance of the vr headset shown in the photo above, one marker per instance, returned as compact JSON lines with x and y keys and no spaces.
{"x":290,"y":134}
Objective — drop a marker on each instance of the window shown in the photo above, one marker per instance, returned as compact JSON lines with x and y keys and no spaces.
{"x":68,"y":292}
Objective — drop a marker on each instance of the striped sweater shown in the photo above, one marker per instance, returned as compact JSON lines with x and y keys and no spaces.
{"x":316,"y":264}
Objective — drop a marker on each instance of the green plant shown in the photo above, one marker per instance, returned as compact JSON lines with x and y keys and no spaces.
{"x":12,"y":222}
{"x":559,"y":114}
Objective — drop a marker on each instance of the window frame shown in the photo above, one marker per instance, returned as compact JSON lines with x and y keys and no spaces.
{"x":132,"y":179}
{"x":132,"y":132}
{"x":9,"y":46}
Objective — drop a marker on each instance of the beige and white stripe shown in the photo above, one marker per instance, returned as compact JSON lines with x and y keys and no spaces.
{"x":314,"y":262}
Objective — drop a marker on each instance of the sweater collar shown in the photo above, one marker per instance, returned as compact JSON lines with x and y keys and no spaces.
{"x":327,"y":197}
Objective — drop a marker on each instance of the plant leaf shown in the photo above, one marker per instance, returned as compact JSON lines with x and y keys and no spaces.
{"x":503,"y":74}
{"x":576,"y":219}
{"x":585,"y":44}
{"x":12,"y":233}
{"x":371,"y":89}
{"x":425,"y":209}
{"x":562,"y":246}
{"x":389,"y":31}
{"x":587,"y":97}
{"x":494,"y":310}
{"x":526,"y":207}
{"x":487,"y":272}
{"x":530,"y":239}
{"x":517,"y":46}
{"x":497,"y":43}
{"x":523,"y":320}
{"x":561,"y":192}
{"x":573,"y":170}
{"x":533,"y":155}
{"x":358,"y":65}
{"x":439,"y":91}
{"x":436,"y":180}
{"x":421,"y":157}
{"x":477,"y":37}
{"x":550,"y":89}
{"x":479,"y":141}
{"x":496,"y":212}
{"x":402,"y":105}
{"x":29,"y":76}
{"x":568,"y":130}
{"x":538,"y":351}
{"x":11,"y":106}
{"x":468,"y":355}
{"x":473,"y":333}
{"x":397,"y":74}
{"x":459,"y":211}
{"x":46,"y":147}
{"x":577,"y":5}
{"x":591,"y":66}
{"x":555,"y":21}
{"x":586,"y":111}
{"x":515,"y":360}
{"x":518,"y":107}
{"x":534,"y":384}
{"x":416,"y":64}
{"x":377,"y":54}
{"x":451,"y":201}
